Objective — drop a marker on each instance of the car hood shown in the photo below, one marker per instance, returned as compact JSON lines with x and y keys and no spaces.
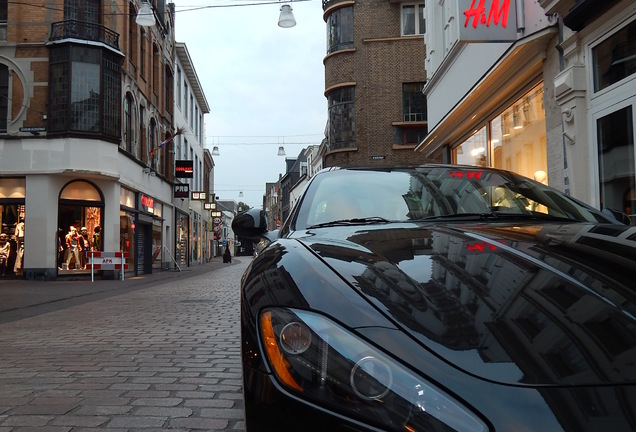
{"x":546,"y":304}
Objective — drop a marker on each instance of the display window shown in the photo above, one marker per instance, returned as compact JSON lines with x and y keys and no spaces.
{"x":12,"y":240}
{"x":12,"y":226}
{"x":157,"y":248}
{"x":127,"y":236}
{"x":80,"y":222}
{"x":514,"y":140}
{"x":181,"y":243}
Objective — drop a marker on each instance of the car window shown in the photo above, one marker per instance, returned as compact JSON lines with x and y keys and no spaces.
{"x":429,"y":192}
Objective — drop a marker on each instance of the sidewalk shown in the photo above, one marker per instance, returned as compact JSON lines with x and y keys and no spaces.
{"x":23,"y":298}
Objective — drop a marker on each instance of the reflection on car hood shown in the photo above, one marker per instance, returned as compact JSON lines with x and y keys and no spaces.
{"x":549,"y":304}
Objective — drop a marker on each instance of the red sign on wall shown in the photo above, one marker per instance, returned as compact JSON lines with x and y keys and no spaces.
{"x":183,"y":168}
{"x":487,"y":20}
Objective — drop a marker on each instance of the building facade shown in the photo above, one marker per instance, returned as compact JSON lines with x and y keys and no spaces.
{"x":545,"y":89}
{"x":86,"y":116}
{"x":192,"y":221}
{"x":374,"y":75}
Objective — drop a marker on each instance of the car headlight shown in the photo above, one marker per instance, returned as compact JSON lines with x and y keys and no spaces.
{"x":333,"y":368}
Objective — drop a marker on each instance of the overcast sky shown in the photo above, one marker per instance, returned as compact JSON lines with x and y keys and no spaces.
{"x":264,"y":85}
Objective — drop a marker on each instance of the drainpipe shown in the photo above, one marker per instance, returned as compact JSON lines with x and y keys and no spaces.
{"x":521,"y":17}
{"x":566,"y":178}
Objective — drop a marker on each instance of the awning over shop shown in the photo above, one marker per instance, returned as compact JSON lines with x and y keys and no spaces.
{"x":521,"y":63}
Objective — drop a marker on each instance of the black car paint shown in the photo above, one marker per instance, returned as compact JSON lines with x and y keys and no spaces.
{"x":452,"y":355}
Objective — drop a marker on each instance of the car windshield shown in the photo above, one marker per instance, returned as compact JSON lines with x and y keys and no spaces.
{"x":364,"y":196}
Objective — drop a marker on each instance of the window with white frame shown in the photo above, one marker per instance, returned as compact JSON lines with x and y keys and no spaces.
{"x":413,"y":19}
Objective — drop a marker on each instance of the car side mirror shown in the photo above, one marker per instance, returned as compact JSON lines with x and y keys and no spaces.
{"x":620,"y":216}
{"x":251,"y":224}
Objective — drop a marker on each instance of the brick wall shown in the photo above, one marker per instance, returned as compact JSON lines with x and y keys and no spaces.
{"x":380,"y":62}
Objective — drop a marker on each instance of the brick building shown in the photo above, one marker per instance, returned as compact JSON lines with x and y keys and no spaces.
{"x":86,"y":113}
{"x":374,"y":74}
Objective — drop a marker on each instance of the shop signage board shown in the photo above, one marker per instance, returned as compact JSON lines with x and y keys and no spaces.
{"x":183,"y":168}
{"x":181,"y":190}
{"x":487,"y":20}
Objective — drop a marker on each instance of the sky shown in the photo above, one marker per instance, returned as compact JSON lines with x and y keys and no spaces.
{"x":264,"y":85}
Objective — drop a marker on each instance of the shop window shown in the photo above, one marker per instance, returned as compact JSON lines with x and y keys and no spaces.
{"x":514,"y":140}
{"x":340,"y":29}
{"x":84,"y":91}
{"x":413,"y":19}
{"x":157,"y":247}
{"x":615,"y":134}
{"x":473,"y":151}
{"x":12,"y":226}
{"x":127,"y":237}
{"x":615,"y":58}
{"x":341,"y":111}
{"x":80,"y":211}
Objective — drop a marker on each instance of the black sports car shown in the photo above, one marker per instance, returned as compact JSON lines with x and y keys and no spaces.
{"x":439,"y":298}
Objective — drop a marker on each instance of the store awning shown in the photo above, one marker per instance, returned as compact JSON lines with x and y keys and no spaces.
{"x":521,"y":63}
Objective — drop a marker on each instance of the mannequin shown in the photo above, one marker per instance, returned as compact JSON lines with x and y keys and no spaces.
{"x":19,"y":238}
{"x":73,"y":240}
{"x":5,"y":251}
{"x":85,"y":246}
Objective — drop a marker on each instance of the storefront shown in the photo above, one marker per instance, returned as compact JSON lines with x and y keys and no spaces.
{"x":501,"y":121}
{"x":181,"y":241}
{"x":513,"y":139}
{"x":596,"y":95}
{"x":140,"y":224}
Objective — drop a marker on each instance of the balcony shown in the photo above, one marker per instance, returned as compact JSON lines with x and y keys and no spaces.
{"x":73,"y":29}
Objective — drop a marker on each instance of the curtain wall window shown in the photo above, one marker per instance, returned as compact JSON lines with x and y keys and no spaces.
{"x":341,"y":110}
{"x":340,"y":29}
{"x":84,"y":90}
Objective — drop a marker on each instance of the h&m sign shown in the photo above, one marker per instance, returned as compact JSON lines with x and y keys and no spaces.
{"x":487,"y":20}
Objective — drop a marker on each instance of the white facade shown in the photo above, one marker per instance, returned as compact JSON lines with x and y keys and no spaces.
{"x":571,"y":62}
{"x":189,"y":113}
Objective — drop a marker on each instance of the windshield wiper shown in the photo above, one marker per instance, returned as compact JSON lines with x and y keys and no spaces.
{"x":497,"y":215}
{"x":354,"y":221}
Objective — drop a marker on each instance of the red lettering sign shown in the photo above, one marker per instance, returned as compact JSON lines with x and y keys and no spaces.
{"x":480,"y":247}
{"x":496,"y":14}
{"x":469,"y":174}
{"x":146,"y":201}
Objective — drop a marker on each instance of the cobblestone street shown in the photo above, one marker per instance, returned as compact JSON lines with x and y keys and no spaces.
{"x":163,"y":357}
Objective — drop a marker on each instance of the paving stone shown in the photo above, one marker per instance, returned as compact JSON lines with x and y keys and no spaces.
{"x":199,"y":424}
{"x":165,"y":356}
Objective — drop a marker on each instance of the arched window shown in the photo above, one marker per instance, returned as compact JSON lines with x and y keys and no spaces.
{"x":80,"y":223}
